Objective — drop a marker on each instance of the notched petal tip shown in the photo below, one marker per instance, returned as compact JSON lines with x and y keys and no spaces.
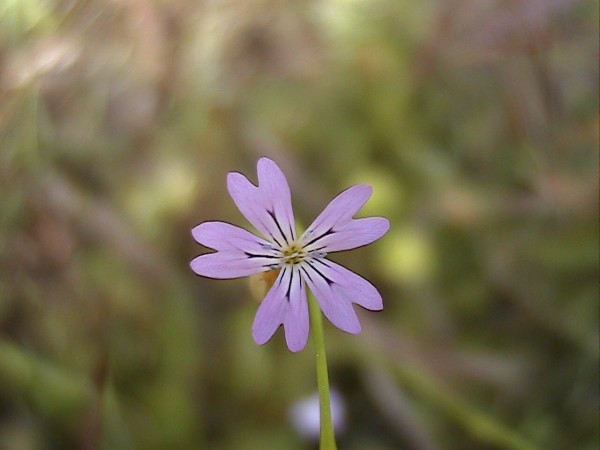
{"x":340,"y":210}
{"x":352,"y":234}
{"x":197,"y":232}
{"x":193,"y":232}
{"x":353,"y":328}
{"x":237,"y":180}
{"x":373,"y":306}
{"x":295,"y":346}
{"x":226,"y":265}
{"x":385,"y":224}
{"x":260,"y":337}
{"x":266,"y":163}
{"x":350,"y":325}
{"x":365,"y":190}
{"x":196,"y":265}
{"x":359,"y":194}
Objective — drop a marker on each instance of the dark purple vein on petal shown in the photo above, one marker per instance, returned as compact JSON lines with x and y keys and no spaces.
{"x":289,"y":288}
{"x":306,"y":273}
{"x":272,"y":214}
{"x":327,"y":233}
{"x":254,"y":255}
{"x":327,"y":280}
{"x":321,"y":261}
{"x":268,"y":231}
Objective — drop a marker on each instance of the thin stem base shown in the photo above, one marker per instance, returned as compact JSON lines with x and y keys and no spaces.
{"x":316,"y":324}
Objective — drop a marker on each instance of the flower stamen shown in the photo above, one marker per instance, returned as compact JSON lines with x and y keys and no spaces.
{"x":293,"y":254}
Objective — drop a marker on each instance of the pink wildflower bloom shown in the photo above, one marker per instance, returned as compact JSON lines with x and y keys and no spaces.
{"x":300,"y":261}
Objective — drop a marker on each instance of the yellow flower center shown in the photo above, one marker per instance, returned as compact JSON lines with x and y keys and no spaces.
{"x":293,"y":254}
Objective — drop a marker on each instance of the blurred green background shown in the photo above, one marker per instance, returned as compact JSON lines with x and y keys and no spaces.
{"x":477,"y":125}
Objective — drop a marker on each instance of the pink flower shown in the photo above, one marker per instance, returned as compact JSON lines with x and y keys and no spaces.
{"x":301,"y":261}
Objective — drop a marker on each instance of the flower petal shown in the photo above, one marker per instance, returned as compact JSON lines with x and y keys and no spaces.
{"x":229,"y":264}
{"x":332,"y":301}
{"x":271,"y":312}
{"x":339,"y":211}
{"x":285,"y":304}
{"x":275,"y":186}
{"x":352,"y":286}
{"x":249,"y":200}
{"x":224,"y":236}
{"x":296,"y":323}
{"x":268,"y":207}
{"x":352,"y":234}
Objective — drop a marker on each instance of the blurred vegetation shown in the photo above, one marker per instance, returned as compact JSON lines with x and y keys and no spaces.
{"x":477,"y":125}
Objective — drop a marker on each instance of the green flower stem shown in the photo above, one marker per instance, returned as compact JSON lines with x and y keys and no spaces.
{"x":316,"y":324}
